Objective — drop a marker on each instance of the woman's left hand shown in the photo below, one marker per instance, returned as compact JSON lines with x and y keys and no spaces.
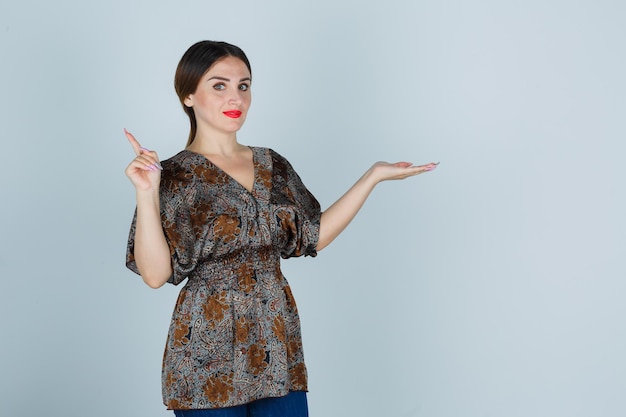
{"x":335,"y":219}
{"x":383,"y":171}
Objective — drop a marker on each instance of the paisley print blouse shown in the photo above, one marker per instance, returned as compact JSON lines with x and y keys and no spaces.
{"x":235,"y":331}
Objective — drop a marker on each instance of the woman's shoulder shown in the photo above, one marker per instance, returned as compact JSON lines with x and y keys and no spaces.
{"x":183,"y":158}
{"x":263,"y":150}
{"x":179,"y":169}
{"x":277,"y":160}
{"x":269,"y":157}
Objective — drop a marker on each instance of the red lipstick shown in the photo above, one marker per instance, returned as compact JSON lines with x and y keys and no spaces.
{"x":235,"y":114}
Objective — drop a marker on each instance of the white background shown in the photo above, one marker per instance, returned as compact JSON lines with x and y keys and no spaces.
{"x":493,"y":286}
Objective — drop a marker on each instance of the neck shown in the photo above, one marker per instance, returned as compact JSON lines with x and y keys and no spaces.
{"x":216,"y":144}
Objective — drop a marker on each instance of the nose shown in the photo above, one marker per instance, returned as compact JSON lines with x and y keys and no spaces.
{"x":235,"y":97}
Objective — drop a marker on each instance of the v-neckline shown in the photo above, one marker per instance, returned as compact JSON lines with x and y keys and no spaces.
{"x":213,"y":164}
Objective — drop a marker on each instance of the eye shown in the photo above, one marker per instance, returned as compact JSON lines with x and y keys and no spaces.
{"x":219,"y":86}
{"x":244,"y":87}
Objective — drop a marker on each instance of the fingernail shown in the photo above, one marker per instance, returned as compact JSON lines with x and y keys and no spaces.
{"x":157,"y":166}
{"x":144,"y":149}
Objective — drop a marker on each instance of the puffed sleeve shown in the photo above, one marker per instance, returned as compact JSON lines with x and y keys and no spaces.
{"x":297,"y":212}
{"x":184,"y":231}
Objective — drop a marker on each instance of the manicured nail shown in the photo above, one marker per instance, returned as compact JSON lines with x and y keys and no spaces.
{"x":144,"y":149}
{"x":157,"y":166}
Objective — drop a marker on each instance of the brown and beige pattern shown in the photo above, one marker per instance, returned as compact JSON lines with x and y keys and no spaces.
{"x":235,"y":331}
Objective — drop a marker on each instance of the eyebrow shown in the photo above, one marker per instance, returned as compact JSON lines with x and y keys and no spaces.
{"x":228,"y":79}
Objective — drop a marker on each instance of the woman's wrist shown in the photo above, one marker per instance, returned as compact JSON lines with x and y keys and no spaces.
{"x":147,"y":197}
{"x":369,"y":177}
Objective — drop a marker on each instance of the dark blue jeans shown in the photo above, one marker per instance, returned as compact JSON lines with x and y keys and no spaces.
{"x":292,"y":405}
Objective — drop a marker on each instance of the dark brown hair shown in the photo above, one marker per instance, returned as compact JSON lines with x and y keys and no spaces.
{"x":194,"y":64}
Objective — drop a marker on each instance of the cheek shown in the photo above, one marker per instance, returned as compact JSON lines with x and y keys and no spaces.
{"x":246,"y":101}
{"x":203,"y":101}
{"x":210,"y":104}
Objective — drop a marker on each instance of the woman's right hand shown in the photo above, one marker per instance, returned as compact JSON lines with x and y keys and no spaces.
{"x":145,"y":170}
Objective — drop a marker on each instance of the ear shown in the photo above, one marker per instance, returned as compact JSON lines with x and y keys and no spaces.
{"x":188,"y":100}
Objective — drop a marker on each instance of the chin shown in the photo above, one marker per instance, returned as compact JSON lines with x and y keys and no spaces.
{"x":234,"y":127}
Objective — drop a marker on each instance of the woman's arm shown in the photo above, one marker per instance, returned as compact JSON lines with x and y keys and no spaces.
{"x":337,"y":217}
{"x":152,"y":254}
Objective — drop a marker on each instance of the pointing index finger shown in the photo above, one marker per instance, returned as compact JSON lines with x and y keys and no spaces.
{"x":133,"y":142}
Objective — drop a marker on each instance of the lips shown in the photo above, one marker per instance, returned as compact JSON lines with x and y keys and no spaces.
{"x":234,"y":114}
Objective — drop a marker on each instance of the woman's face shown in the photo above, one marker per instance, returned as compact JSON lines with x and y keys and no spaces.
{"x":222,"y":98}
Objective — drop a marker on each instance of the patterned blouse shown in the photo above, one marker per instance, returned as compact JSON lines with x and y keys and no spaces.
{"x":235,"y":331}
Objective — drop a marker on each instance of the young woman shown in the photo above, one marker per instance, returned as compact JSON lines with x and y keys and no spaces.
{"x":221,"y":215}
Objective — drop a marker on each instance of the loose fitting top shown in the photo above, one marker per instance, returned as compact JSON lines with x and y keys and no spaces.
{"x":235,"y":331}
